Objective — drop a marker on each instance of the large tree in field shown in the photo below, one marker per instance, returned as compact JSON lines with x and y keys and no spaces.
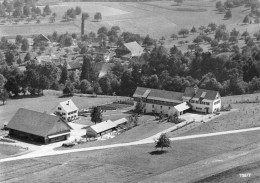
{"x":47,"y":10}
{"x":96,"y":115}
{"x":98,"y":16}
{"x":163,"y":142}
{"x":183,"y":32}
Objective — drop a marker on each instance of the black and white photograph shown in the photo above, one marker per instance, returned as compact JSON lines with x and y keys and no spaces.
{"x":130,"y":91}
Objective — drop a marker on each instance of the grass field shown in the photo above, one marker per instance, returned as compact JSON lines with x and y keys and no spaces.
{"x":8,"y":150}
{"x":47,"y":102}
{"x":124,"y":164}
{"x":247,"y":115}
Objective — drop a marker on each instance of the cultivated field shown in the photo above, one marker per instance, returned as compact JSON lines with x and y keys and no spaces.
{"x":157,"y":18}
{"x":126,"y":164}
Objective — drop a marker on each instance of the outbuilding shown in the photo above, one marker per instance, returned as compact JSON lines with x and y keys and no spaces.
{"x":179,"y":109}
{"x":38,"y":127}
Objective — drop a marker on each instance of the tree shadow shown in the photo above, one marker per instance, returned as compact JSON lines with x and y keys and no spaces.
{"x":158,"y":152}
{"x":26,"y":96}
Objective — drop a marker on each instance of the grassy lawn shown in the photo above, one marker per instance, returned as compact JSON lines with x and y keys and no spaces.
{"x":47,"y":102}
{"x":8,"y":150}
{"x":124,"y":164}
{"x":247,"y":115}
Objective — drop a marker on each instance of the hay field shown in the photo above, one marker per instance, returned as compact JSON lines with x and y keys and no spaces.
{"x":124,"y":164}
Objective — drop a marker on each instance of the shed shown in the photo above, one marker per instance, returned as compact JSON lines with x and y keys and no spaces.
{"x":179,"y":109}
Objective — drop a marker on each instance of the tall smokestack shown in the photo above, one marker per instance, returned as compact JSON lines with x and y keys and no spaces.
{"x":82,"y":24}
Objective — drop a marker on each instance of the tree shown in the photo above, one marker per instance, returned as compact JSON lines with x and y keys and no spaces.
{"x":139,"y":107}
{"x":183,"y":32}
{"x":78,"y":10}
{"x":84,"y":86}
{"x":44,"y":83}
{"x":26,"y":10}
{"x":174,"y":36}
{"x":245,"y":34}
{"x":69,"y":89}
{"x":218,"y":4}
{"x":97,"y":88}
{"x":9,"y":58}
{"x":178,"y":1}
{"x":246,"y":19}
{"x":17,"y":12}
{"x":193,"y":30}
{"x":86,"y":68}
{"x":162,"y":142}
{"x":102,"y":30}
{"x":105,"y":84}
{"x":25,"y":45}
{"x":27,"y":57}
{"x":198,"y":40}
{"x":98,"y":16}
{"x":47,"y":10}
{"x":64,"y":73}
{"x":4,"y":95}
{"x":96,"y":115}
{"x":228,"y":14}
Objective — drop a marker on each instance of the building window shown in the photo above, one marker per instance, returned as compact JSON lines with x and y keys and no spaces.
{"x":63,"y":113}
{"x":152,"y":106}
{"x":59,"y":108}
{"x":198,"y":108}
{"x":161,"y":107}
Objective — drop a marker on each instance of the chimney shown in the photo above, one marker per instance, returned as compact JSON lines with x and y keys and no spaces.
{"x":68,"y":102}
{"x":82,"y":24}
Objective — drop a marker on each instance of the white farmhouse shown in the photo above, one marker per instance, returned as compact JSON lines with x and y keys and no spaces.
{"x":67,"y":110}
{"x":202,"y":100}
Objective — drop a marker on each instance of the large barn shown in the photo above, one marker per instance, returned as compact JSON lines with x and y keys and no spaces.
{"x":38,"y":127}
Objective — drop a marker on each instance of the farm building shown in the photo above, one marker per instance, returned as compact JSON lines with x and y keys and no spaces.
{"x":67,"y":110}
{"x":129,"y":50}
{"x":157,"y":101}
{"x":104,"y":127}
{"x":42,"y":38}
{"x":202,"y":100}
{"x":168,"y":102}
{"x":74,"y":65}
{"x":38,"y":127}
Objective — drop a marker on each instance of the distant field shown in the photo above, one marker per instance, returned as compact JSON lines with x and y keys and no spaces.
{"x":124,"y":164}
{"x":47,"y":103}
{"x":156,"y":18}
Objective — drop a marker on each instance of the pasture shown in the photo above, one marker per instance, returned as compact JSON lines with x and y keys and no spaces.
{"x":126,"y":164}
{"x":9,"y":150}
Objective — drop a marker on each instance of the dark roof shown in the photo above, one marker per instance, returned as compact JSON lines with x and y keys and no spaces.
{"x":208,"y":94}
{"x":74,"y":65}
{"x":155,"y":94}
{"x":37,"y":123}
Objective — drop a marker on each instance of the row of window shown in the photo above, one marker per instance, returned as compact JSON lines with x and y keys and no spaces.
{"x":199,"y":102}
{"x":160,"y":107}
{"x":72,"y":112}
{"x":215,"y":103}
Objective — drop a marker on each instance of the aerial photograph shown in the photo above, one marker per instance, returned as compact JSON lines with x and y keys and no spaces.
{"x":130,"y":91}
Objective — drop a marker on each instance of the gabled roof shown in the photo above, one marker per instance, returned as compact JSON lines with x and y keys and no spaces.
{"x":68,"y":105}
{"x":107,"y":125}
{"x":37,"y":123}
{"x":74,"y":65}
{"x":206,"y":94}
{"x":201,"y":93}
{"x":134,"y":48}
{"x":43,"y":37}
{"x":182,"y":107}
{"x":161,"y":95}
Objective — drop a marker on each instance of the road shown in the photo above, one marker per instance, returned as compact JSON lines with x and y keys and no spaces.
{"x":48,"y":150}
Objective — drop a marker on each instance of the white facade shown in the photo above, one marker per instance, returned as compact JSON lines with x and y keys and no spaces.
{"x":67,"y":110}
{"x":204,"y":105}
